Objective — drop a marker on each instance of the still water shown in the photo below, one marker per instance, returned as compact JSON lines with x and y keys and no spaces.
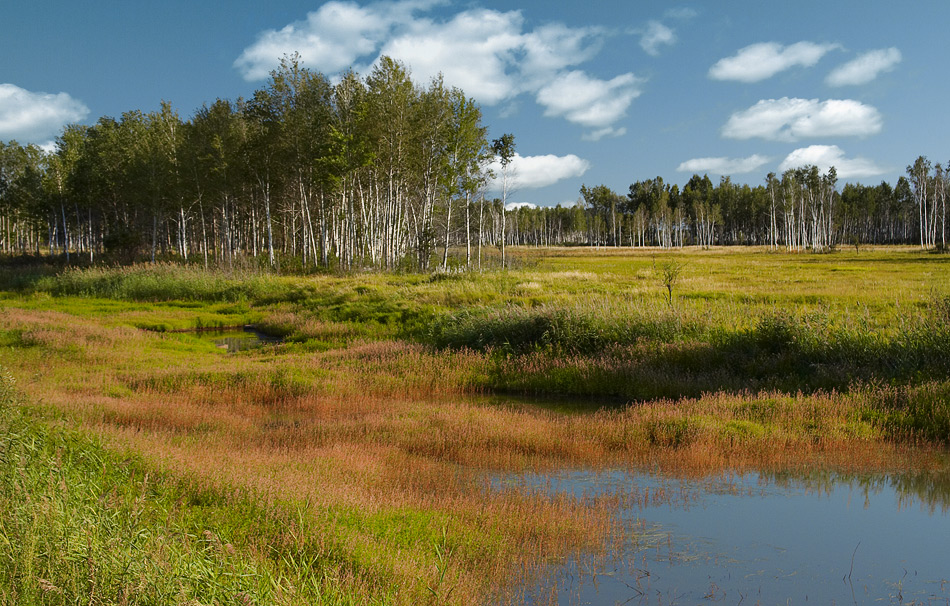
{"x":756,"y":539}
{"x":237,"y":339}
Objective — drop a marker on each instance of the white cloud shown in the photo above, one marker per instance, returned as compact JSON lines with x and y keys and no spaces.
{"x":826,"y":156}
{"x":655,"y":35}
{"x":793,"y":119}
{"x":589,"y":101}
{"x":514,"y":205}
{"x":31,"y":117}
{"x":607,"y":131}
{"x":332,"y":37}
{"x":864,"y":68}
{"x":723,"y":166}
{"x":765,"y":59}
{"x":555,"y":47}
{"x":532,"y":172}
{"x":471,"y":51}
{"x":489,"y":54}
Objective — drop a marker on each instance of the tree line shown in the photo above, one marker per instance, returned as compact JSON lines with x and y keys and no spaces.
{"x":378,"y":172}
{"x":801,"y":209}
{"x":368,"y":172}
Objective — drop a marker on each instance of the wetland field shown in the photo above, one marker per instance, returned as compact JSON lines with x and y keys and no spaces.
{"x":589,"y":426}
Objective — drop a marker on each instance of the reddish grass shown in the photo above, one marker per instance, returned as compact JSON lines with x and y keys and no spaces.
{"x":385,"y":427}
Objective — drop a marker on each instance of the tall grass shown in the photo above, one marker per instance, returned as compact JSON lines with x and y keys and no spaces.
{"x":585,"y":328}
{"x":350,"y":462}
{"x":79,"y":524}
{"x":357,"y":454}
{"x":640,"y":353}
{"x":157,"y":282}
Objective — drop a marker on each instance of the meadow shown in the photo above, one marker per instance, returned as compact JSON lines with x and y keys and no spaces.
{"x":358,"y":460}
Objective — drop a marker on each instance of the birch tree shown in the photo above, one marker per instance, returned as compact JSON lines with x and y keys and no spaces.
{"x":504,"y":150}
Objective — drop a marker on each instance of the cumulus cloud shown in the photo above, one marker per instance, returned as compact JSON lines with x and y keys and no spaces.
{"x":331,"y":37}
{"x":826,"y":156}
{"x":588,"y":101}
{"x":489,"y":54}
{"x":655,"y":35}
{"x":470,"y":51}
{"x":532,"y":172}
{"x":765,"y":59}
{"x":31,"y":117}
{"x":864,"y":68}
{"x":723,"y":166}
{"x":788,"y":119}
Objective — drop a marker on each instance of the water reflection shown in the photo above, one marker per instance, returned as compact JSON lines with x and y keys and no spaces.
{"x":760,"y":539}
{"x":237,"y":339}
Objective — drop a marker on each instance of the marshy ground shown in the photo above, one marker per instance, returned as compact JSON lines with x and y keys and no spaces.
{"x":356,"y":462}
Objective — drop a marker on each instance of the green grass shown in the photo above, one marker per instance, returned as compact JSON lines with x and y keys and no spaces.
{"x":640,"y":353}
{"x":387,"y":384}
{"x":580,"y":322}
{"x":158,"y":282}
{"x":81,"y":524}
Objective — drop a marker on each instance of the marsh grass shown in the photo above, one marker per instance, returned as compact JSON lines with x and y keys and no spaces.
{"x":364,"y":446}
{"x":384,"y":445}
{"x":81,"y":524}
{"x":157,"y":282}
{"x":633,"y":351}
{"x":360,"y":456}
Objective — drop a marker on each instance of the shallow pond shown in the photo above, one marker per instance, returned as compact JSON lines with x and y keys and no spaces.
{"x":236,"y":339}
{"x":754,"y":539}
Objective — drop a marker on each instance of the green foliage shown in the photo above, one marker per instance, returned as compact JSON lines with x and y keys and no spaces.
{"x":81,"y":524}
{"x":909,"y":412}
{"x":600,"y":334}
{"x":158,"y":282}
{"x":518,"y":330}
{"x":763,"y":410}
{"x":738,"y":430}
{"x":564,"y":351}
{"x":7,"y":389}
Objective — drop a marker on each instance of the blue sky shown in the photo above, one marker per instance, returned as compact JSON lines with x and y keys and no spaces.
{"x":593,"y":94}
